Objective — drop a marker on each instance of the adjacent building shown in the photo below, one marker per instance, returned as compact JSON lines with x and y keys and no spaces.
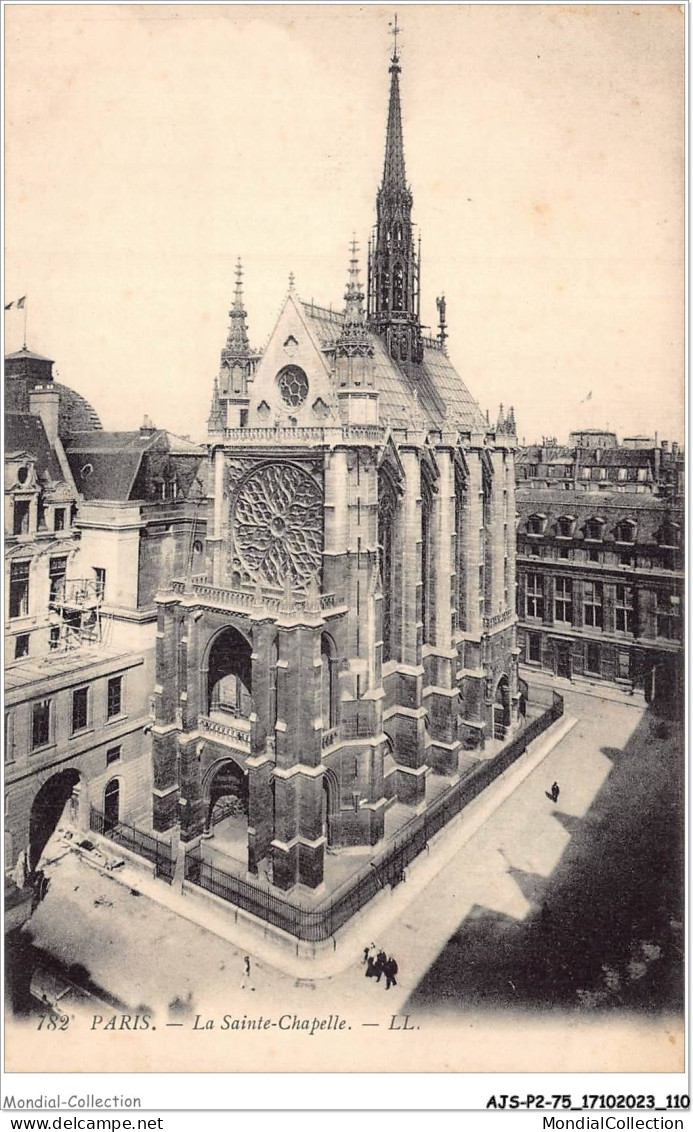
{"x":93,"y":522}
{"x":600,"y":587}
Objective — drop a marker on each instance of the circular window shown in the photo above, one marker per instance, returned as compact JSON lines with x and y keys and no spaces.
{"x":86,"y":471}
{"x":293,"y":385}
{"x":22,"y":475}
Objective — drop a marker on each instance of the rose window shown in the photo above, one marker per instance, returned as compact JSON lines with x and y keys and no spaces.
{"x":293,"y":385}
{"x":277,"y":524}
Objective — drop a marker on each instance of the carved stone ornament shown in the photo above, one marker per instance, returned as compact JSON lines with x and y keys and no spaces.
{"x":277,"y":518}
{"x":235,"y":470}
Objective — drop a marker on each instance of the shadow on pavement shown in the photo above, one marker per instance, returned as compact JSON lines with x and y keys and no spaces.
{"x":605,"y":930}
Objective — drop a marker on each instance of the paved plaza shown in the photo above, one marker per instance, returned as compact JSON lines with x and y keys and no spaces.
{"x":574,"y":905}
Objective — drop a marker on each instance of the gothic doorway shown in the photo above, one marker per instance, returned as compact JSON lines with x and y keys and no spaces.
{"x":229,"y":681}
{"x":54,"y":799}
{"x":226,"y":812}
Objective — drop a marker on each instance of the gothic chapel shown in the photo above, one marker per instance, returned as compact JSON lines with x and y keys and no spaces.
{"x":351,"y":646}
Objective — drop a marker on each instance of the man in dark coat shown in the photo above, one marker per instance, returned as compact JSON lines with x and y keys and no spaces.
{"x":391,"y":970}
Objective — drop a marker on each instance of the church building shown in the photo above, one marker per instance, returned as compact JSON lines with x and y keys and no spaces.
{"x":351,"y":644}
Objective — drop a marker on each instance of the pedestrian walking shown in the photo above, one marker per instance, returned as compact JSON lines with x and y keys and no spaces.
{"x":555,"y":791}
{"x":391,"y":970}
{"x":371,"y":960}
{"x":380,"y":962}
{"x":246,"y":978}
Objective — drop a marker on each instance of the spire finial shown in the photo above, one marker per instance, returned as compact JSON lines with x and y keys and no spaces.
{"x":292,"y":281}
{"x":396,"y":30}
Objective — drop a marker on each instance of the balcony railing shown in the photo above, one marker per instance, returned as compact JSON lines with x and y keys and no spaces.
{"x":498,"y":619}
{"x":305,"y":434}
{"x":242,"y":601}
{"x":236,"y":733}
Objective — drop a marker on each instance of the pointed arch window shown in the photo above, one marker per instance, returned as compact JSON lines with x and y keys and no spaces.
{"x":328,"y":678}
{"x":427,"y":563}
{"x":273,"y":662}
{"x":387,"y":511}
{"x":460,"y":504}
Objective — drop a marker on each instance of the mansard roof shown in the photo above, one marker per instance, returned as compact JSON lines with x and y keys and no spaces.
{"x":647,"y":510}
{"x":439,"y":392}
{"x":106,"y":464}
{"x":24,"y":432}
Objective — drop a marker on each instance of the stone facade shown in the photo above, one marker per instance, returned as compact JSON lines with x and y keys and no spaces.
{"x":354,"y":628}
{"x":601,"y":587}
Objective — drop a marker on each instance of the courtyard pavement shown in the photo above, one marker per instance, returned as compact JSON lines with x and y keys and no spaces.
{"x":523,"y":871}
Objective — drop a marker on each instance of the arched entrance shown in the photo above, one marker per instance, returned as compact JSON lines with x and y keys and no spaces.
{"x":47,"y":809}
{"x":229,"y":681}
{"x":501,"y":709}
{"x":226,"y":808}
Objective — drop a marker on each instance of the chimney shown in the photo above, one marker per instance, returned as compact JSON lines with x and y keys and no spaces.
{"x":674,"y":448}
{"x":147,"y":428}
{"x":665,"y":447}
{"x":44,"y":402}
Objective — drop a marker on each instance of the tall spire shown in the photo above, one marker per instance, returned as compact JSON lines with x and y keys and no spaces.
{"x":393,"y":272}
{"x":393,"y":172}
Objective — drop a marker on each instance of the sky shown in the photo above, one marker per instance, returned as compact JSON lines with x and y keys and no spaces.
{"x":147,"y":146}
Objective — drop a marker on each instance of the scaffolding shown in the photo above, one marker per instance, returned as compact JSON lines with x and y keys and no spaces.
{"x":75,"y":614}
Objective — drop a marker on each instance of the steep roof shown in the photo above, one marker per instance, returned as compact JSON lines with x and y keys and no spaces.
{"x":106,"y":464}
{"x":439,"y":392}
{"x":24,"y":432}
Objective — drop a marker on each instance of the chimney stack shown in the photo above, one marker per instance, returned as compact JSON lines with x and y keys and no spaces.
{"x":44,"y":402}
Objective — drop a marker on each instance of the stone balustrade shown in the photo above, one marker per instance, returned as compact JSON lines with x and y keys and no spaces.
{"x":498,"y":619}
{"x":237,"y":734}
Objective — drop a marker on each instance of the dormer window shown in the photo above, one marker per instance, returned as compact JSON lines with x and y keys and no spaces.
{"x":593,"y":530}
{"x":670,"y":535}
{"x":625,"y":531}
{"x":565,"y":526}
{"x":536,"y":524}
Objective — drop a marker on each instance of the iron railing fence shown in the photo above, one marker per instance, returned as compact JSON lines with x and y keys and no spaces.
{"x":136,"y":841}
{"x":316,"y":924}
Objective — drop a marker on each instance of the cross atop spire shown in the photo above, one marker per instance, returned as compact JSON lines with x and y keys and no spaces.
{"x":237,"y":341}
{"x":396,"y":30}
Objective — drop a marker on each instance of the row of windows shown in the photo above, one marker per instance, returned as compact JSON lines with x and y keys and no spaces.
{"x":22,"y":513}
{"x":668,"y":610}
{"x":57,"y":571}
{"x":668,"y":535}
{"x":600,"y":473}
{"x":592,"y":656}
{"x":41,"y":711}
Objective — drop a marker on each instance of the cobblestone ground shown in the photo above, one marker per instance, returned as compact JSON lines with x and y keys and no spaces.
{"x":602,"y":924}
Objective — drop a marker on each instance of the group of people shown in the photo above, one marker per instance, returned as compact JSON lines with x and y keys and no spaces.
{"x":379,"y":964}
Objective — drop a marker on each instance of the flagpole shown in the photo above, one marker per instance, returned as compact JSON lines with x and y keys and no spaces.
{"x":26,"y":300}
